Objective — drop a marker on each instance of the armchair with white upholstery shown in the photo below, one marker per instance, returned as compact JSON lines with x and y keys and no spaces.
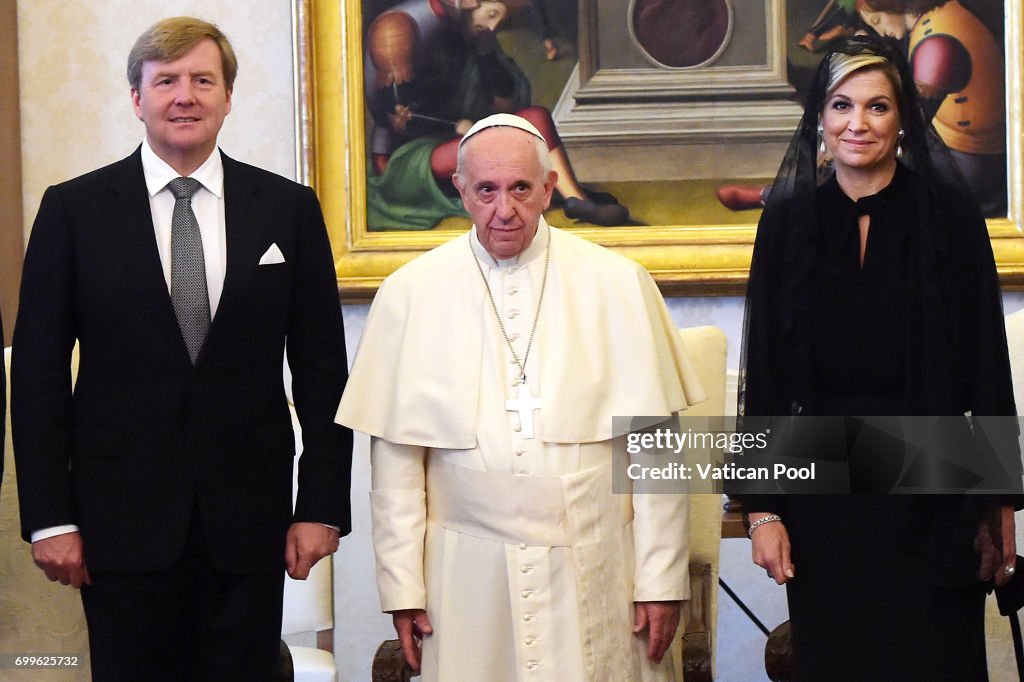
{"x":307,"y":625}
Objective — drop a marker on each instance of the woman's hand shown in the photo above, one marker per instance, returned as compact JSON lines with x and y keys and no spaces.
{"x":769,"y":545}
{"x":1009,"y":533}
{"x":996,"y":544}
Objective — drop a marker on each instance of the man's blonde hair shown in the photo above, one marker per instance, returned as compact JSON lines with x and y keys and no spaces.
{"x":168,"y":39}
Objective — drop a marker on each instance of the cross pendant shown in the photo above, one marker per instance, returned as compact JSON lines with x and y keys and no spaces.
{"x":524,"y":403}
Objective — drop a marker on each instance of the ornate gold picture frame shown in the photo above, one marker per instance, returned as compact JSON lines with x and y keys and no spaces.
{"x":691,"y":259}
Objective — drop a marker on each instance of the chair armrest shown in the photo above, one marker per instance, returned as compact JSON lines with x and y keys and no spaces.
{"x":389,"y":663}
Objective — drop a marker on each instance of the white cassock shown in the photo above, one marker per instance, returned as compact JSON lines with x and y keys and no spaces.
{"x":525,"y":561}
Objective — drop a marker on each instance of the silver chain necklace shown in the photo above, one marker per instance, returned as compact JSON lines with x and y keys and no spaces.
{"x":536,"y":318}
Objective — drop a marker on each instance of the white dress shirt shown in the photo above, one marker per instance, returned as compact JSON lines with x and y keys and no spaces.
{"x":207,"y":204}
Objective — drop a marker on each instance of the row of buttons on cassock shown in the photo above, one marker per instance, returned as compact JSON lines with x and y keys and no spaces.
{"x":529,"y":640}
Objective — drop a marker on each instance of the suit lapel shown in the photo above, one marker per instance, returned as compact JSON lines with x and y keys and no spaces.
{"x":243,"y":237}
{"x":130,"y":214}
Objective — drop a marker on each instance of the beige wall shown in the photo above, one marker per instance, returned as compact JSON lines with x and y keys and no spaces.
{"x":11,"y":243}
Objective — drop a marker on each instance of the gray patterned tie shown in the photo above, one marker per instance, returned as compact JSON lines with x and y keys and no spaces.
{"x":188,"y":268}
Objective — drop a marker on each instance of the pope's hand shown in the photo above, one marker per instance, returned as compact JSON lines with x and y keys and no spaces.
{"x":62,"y":559}
{"x":306,"y":544}
{"x":662,"y":619}
{"x":411,"y":625}
{"x":769,"y":546}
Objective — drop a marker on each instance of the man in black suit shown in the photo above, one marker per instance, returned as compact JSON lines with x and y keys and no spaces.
{"x":163,"y":485}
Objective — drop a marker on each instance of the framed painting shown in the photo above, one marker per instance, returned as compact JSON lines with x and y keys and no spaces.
{"x":677,"y":141}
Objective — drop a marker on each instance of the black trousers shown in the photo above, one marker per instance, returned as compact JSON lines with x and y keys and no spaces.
{"x":190,"y":622}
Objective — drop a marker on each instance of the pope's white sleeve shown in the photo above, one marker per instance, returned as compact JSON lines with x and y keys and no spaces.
{"x":398,"y":511}
{"x":661,"y":545}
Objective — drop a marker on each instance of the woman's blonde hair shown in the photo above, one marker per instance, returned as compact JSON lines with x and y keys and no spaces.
{"x":841,"y":66}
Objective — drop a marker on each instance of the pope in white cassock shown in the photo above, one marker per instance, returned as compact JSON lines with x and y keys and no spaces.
{"x":487,"y":377}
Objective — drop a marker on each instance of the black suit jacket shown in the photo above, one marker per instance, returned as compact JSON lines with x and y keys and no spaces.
{"x":146,"y":438}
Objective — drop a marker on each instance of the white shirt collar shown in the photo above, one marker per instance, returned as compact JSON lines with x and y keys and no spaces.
{"x":535,"y":249}
{"x":158,"y":172}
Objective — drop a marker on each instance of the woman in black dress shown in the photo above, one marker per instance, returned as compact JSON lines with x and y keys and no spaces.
{"x":873,"y":292}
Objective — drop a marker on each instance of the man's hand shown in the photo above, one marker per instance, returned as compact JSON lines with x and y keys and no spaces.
{"x":306,"y":544}
{"x":399,"y":118}
{"x":411,"y":625}
{"x":662,"y":618}
{"x":62,"y":559}
{"x":769,"y":546}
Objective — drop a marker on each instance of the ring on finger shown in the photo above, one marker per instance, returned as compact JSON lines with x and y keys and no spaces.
{"x":1009,"y":569}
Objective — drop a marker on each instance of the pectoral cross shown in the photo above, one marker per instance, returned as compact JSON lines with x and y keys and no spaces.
{"x":524,"y":403}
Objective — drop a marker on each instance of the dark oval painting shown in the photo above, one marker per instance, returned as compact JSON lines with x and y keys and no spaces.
{"x":680,"y":33}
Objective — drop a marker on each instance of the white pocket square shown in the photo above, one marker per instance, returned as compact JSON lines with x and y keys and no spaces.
{"x":273,"y":256}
